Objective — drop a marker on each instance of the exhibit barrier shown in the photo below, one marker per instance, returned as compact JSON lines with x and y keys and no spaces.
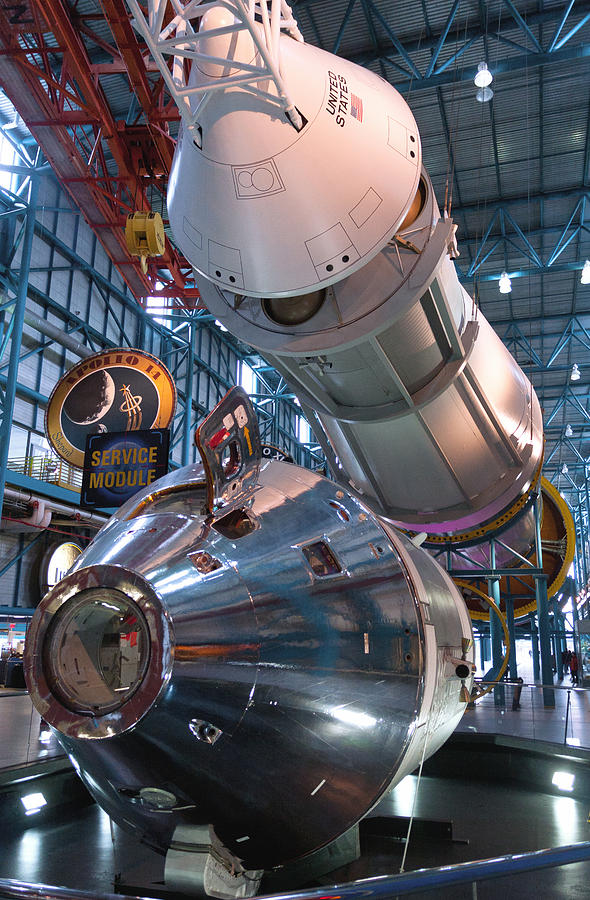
{"x":380,"y":888}
{"x":557,"y":714}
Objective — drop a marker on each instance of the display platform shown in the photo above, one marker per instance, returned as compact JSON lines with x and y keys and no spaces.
{"x":479,"y":797}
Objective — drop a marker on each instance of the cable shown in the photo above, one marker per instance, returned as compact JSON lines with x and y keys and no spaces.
{"x":418,"y":780}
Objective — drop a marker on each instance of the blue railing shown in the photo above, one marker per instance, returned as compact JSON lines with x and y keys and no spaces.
{"x":382,"y":887}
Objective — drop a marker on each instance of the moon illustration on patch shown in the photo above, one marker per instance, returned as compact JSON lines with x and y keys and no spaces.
{"x":90,"y":399}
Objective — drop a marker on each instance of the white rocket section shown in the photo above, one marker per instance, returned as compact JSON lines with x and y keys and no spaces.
{"x":267,"y":210}
{"x":417,"y":403}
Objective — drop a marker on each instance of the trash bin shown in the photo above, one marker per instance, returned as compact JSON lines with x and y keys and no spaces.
{"x":15,"y":674}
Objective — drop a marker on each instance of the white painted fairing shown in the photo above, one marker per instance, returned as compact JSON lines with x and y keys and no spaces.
{"x":270,"y":211}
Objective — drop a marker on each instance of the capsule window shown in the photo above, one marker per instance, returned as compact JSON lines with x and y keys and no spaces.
{"x":204,"y":562}
{"x":186,"y":500}
{"x":321,"y":559}
{"x":237,"y":524}
{"x":341,"y":512}
{"x":96,"y":651}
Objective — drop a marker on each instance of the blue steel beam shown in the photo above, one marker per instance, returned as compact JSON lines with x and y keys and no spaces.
{"x":187,"y":442}
{"x":561,"y":25}
{"x":450,"y":61}
{"x":524,"y":62}
{"x":564,"y":240}
{"x":442,"y":39}
{"x":567,"y":397}
{"x":470,"y":33}
{"x":528,"y":199}
{"x":501,"y":217}
{"x":573,"y":31}
{"x":523,"y":25}
{"x":343,"y":24}
{"x":18,"y":556}
{"x":568,"y":335}
{"x":367,"y":10}
{"x":543,"y":614}
{"x":17,"y":333}
{"x":520,"y":273}
{"x":414,"y":72}
{"x":43,"y":488}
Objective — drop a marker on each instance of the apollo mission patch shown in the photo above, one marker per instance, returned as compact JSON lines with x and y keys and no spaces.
{"x":111,"y":391}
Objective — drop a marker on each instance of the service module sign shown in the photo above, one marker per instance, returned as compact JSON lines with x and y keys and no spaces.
{"x":108,"y":392}
{"x":119,"y":465}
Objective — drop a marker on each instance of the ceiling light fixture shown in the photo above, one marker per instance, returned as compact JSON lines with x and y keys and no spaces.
{"x":483,"y":79}
{"x":585,"y":276}
{"x":564,"y":469}
{"x":576,"y":374}
{"x":568,"y":431}
{"x":504,"y":284}
{"x":483,"y":76}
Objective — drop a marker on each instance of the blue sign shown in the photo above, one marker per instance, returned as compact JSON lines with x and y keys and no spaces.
{"x":118,"y":465}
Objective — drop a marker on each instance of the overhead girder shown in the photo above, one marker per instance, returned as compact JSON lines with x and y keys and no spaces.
{"x":503,"y":234}
{"x":448,"y":45}
{"x":46,"y":72}
{"x":525,"y":200}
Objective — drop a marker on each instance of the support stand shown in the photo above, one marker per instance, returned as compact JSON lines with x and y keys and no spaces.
{"x":197,"y":862}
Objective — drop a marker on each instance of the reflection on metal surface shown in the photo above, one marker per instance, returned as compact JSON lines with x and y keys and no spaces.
{"x":292,"y":684}
{"x":157,"y":798}
{"x":295,"y":310}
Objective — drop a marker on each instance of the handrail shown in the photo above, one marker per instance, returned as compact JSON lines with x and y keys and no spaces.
{"x":49,"y":468}
{"x":23,"y":890}
{"x":379,"y":888}
{"x":536,"y":685}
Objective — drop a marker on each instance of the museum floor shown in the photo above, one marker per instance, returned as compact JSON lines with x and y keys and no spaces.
{"x":489,"y":816}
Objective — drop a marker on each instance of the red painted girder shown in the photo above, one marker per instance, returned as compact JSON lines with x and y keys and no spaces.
{"x":57,"y":16}
{"x":22,"y":81}
{"x":118,"y":18}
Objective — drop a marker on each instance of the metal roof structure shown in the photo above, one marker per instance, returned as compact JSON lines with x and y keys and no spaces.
{"x":514,"y":172}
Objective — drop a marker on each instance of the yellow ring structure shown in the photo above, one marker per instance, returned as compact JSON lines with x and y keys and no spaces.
{"x":570,"y":535}
{"x":570,"y":550}
{"x":570,"y":545}
{"x":460,"y":583}
{"x":494,"y":524}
